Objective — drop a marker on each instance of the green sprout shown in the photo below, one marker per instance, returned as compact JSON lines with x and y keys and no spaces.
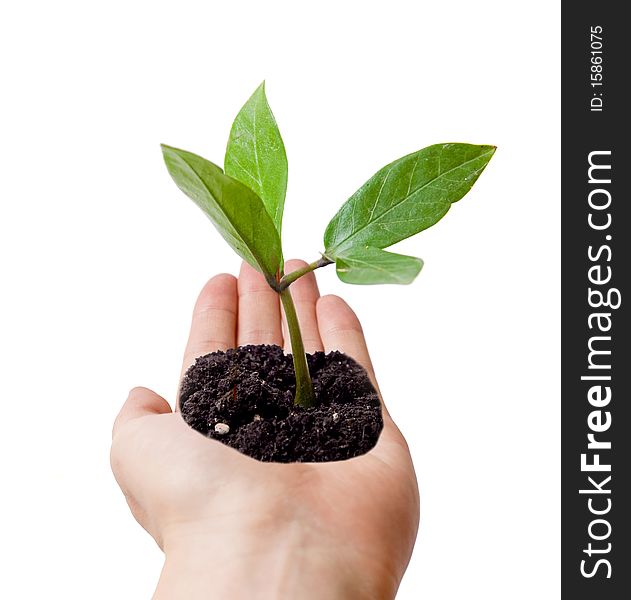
{"x":245,"y":203}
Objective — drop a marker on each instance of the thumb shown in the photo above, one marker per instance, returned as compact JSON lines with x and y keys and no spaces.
{"x":140,"y":403}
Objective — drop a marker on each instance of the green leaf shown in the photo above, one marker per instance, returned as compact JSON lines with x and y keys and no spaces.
{"x":406,"y":197}
{"x":235,"y":210}
{"x":369,"y":266}
{"x":256,"y":154}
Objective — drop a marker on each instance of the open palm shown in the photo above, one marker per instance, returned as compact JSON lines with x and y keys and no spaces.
{"x":355,"y":520}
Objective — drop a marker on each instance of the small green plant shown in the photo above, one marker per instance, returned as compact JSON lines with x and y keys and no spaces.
{"x":245,"y":203}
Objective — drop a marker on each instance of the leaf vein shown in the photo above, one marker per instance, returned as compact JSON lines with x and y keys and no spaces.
{"x":406,"y":197}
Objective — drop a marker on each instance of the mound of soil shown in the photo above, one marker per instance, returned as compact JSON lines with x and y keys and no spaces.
{"x":244,"y":398}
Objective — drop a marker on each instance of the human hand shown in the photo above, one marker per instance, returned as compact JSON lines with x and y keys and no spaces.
{"x":229,"y":524}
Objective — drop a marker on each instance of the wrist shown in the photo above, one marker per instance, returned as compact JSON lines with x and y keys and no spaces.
{"x":285,"y":562}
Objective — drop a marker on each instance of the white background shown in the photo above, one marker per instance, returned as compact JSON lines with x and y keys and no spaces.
{"x":101,"y":258}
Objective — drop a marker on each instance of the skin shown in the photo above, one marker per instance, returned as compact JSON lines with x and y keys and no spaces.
{"x":229,"y":524}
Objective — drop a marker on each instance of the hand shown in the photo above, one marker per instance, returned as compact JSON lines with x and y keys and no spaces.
{"x":234,"y":527}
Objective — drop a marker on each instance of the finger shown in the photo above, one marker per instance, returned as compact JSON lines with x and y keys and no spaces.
{"x":214,"y":322}
{"x":259,"y":310}
{"x":140,"y":403}
{"x":305,"y":294}
{"x":341,"y":330}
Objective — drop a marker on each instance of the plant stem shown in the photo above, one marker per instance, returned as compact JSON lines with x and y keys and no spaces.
{"x":304,"y":388}
{"x":288,"y":279}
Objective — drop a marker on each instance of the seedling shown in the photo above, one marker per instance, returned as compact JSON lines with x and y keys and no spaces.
{"x":245,"y":203}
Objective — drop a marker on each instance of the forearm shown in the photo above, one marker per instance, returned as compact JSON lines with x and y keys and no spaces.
{"x":204,"y":577}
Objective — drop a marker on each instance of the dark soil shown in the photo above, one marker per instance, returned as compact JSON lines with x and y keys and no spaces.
{"x":250,"y":390}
